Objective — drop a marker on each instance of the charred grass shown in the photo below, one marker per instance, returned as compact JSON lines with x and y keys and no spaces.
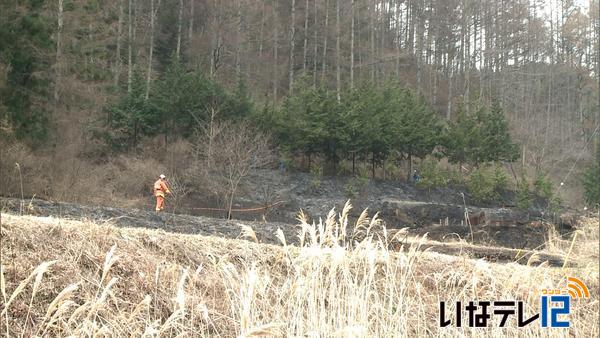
{"x":74,"y":278}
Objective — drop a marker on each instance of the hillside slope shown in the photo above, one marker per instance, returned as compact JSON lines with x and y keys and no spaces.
{"x":64,"y":277}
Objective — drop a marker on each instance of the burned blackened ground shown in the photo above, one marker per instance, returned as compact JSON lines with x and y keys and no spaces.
{"x":485,"y":245}
{"x":439,"y":213}
{"x":179,"y":223}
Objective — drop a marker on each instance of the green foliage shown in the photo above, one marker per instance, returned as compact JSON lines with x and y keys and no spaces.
{"x":184,"y":99}
{"x":486,"y":183}
{"x":26,"y":50}
{"x":543,"y":187}
{"x":178,"y":103}
{"x":309,"y":123}
{"x":132,"y":117}
{"x":496,"y":143}
{"x":367,"y":123}
{"x":555,"y":204}
{"x":591,"y":181}
{"x":432,"y":175}
{"x":316,"y":178}
{"x":391,"y":165}
{"x":524,"y":194}
{"x":415,"y":127}
{"x":460,"y":138}
{"x":480,"y":138}
{"x":357,"y":185}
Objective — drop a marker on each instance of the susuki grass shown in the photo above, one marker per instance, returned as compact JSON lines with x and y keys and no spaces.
{"x":68,"y":278}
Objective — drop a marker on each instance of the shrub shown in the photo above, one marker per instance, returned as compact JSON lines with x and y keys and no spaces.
{"x":316,"y":177}
{"x":391,"y":168}
{"x":356,"y":186}
{"x":433,"y":175}
{"x":524,"y":194}
{"x":543,"y":187}
{"x":486,"y":183}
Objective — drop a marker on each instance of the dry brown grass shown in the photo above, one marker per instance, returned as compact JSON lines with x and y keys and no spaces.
{"x":124,"y":181}
{"x":583,"y":244}
{"x":62,"y":278}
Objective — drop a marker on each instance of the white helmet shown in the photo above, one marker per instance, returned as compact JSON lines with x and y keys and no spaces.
{"x":162,"y":176}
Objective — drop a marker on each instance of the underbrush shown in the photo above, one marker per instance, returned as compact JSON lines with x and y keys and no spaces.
{"x":582,"y":245}
{"x":124,"y":180}
{"x":62,"y":278}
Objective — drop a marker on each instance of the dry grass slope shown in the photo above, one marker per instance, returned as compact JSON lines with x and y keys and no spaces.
{"x":71,"y":278}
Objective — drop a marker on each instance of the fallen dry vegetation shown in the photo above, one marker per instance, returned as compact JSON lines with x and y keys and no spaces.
{"x":62,"y":278}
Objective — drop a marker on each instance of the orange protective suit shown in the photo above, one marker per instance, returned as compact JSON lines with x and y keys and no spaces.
{"x":160,"y":189}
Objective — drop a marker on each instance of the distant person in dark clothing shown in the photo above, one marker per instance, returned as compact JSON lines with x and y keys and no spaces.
{"x":282,"y":168}
{"x":416,"y":177}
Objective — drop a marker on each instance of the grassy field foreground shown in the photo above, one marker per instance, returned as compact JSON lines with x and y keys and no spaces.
{"x":71,"y":278}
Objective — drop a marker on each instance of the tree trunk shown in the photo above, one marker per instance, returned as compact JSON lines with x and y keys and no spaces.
{"x":275,"y":52}
{"x":410,"y":23}
{"x":232,"y":191}
{"x":58,"y":50}
{"x":316,"y":33}
{"x":398,"y":37}
{"x":338,"y":81}
{"x":216,"y":39}
{"x":352,"y":48}
{"x":292,"y":45}
{"x":238,"y":44}
{"x":373,"y":164}
{"x":372,"y":40}
{"x":211,"y":137}
{"x":409,"y":167}
{"x":129,"y":46}
{"x":305,"y":38}
{"x":191,"y":26}
{"x":449,"y":107}
{"x":358,"y":46}
{"x":179,"y":23}
{"x":118,"y":58}
{"x":153,"y":12}
{"x":262,"y":28}
{"x":325,"y":34}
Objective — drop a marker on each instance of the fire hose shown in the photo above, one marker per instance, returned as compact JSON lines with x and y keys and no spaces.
{"x":266,"y":207}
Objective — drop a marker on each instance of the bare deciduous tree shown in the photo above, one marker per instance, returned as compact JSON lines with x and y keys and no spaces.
{"x":292,"y":45}
{"x":129,"y":44}
{"x":179,"y":24}
{"x":153,"y":12}
{"x":58,"y":49}
{"x":241,"y":148}
{"x":118,"y":56}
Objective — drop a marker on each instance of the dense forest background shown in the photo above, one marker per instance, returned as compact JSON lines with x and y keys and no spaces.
{"x":98,"y":96}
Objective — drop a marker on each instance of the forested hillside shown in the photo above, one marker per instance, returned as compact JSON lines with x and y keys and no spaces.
{"x":99,"y":96}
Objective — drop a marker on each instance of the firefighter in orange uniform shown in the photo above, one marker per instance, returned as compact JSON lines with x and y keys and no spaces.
{"x":160,"y":189}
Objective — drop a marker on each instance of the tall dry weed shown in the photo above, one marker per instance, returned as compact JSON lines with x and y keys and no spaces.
{"x":343,"y":280}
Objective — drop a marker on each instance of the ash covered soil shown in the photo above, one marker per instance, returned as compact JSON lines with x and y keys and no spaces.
{"x":437,"y":212}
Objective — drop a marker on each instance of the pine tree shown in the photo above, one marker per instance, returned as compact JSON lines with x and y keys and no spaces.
{"x":133,"y":116}
{"x":460,"y":138}
{"x":496,"y":143}
{"x":184,"y":99}
{"x":25,"y":49}
{"x":479,"y":138}
{"x":417,"y":128}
